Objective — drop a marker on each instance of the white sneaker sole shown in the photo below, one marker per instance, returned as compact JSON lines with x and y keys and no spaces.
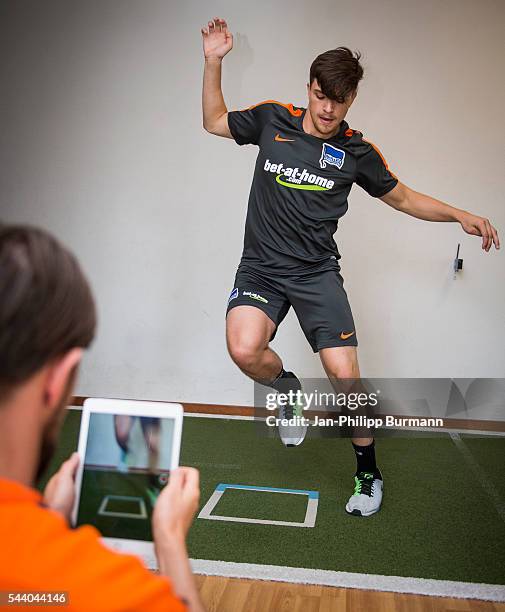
{"x":291,"y":438}
{"x":357,"y":512}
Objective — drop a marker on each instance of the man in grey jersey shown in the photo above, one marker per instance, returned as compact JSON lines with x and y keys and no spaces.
{"x":308,"y":160}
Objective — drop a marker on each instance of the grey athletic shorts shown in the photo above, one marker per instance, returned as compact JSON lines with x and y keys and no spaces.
{"x":319,"y":301}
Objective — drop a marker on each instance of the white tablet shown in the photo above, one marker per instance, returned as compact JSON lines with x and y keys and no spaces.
{"x":126,"y":449}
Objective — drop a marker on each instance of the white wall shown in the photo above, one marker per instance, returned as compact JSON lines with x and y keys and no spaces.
{"x":101,"y":142}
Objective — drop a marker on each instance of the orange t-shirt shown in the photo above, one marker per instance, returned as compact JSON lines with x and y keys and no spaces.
{"x":40,"y":552}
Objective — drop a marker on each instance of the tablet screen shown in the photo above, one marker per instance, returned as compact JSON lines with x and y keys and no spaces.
{"x":127,"y":462}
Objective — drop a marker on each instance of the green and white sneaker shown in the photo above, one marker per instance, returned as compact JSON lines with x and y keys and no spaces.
{"x":367,"y":496}
{"x":292,"y":433}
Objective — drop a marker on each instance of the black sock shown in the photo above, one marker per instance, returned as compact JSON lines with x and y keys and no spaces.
{"x":365,"y":458}
{"x":286,"y":382}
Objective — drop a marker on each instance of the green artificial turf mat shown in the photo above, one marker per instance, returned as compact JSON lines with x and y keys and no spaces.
{"x":437,"y":521}
{"x":263,"y":505}
{"x":489,"y":453}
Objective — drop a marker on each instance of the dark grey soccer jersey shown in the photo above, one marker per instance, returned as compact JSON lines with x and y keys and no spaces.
{"x":300,"y":187}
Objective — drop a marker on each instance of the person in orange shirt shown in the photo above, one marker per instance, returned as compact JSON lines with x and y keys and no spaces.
{"x":47,"y":319}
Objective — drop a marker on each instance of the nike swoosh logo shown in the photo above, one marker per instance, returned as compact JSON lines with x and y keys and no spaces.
{"x":279,"y":138}
{"x":345,"y":336}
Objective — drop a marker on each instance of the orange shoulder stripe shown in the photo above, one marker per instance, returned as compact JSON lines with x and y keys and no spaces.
{"x":381,"y":156}
{"x":289,"y":107}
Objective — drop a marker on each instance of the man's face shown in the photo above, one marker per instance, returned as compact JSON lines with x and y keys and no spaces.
{"x":53,"y":427}
{"x":326,"y":114}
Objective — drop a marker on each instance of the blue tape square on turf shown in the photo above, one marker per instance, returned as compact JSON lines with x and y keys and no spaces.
{"x":311,"y":494}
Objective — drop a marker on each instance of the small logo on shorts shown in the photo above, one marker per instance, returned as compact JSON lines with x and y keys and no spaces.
{"x":255,"y":296}
{"x":345,"y":336}
{"x":233,"y":295}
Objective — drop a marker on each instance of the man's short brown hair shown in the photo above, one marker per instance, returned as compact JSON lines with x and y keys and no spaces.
{"x":46,"y":304}
{"x":338,"y":73}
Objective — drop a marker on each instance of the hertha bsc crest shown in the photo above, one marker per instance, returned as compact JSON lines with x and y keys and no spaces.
{"x":331,"y":155}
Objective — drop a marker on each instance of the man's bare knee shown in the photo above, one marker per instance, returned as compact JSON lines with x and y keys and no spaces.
{"x":341,"y":364}
{"x":245,"y":355}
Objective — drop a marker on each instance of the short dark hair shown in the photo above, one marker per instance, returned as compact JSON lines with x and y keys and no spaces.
{"x":46,"y":304}
{"x":338,"y":72}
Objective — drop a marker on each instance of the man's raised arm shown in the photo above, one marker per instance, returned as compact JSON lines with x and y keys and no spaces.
{"x":425,"y":207}
{"x":217,"y":41}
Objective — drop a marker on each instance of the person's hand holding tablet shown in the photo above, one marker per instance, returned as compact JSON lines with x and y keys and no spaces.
{"x":172,"y":518}
{"x":176,"y":505}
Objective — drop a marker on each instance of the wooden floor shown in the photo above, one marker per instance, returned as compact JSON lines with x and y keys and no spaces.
{"x":234,"y":595}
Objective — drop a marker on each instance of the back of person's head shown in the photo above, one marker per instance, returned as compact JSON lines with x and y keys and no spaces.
{"x":46,"y":304}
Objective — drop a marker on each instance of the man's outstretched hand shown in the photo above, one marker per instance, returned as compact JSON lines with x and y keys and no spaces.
{"x":217,"y":40}
{"x":480,"y":226}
